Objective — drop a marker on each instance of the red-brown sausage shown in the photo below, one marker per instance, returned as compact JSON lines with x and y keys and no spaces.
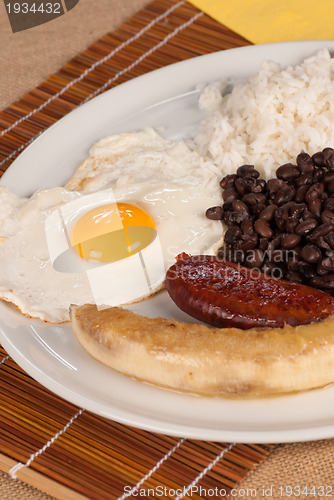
{"x":224,"y":294}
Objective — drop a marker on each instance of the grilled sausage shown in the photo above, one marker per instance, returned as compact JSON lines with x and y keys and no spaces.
{"x":224,"y":294}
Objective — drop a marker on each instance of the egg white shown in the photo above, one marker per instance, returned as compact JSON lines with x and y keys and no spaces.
{"x":168,"y":180}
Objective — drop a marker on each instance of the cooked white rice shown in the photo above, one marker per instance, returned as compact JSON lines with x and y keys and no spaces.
{"x":268,"y":119}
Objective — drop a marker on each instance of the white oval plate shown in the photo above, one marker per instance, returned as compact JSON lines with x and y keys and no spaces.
{"x":166,"y":97}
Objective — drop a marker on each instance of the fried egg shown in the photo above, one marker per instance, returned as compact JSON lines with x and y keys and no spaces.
{"x":109,"y":235}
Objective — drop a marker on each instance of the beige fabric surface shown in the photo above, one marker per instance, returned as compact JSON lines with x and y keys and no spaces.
{"x":28,"y":57}
{"x":303,"y":467}
{"x":13,"y":489}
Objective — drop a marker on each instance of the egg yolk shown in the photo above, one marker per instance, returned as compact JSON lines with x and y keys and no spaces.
{"x":112,"y":232}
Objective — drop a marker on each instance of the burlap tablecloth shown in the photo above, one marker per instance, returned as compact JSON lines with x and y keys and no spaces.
{"x":27,"y":57}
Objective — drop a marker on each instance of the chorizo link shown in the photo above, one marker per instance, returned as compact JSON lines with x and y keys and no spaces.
{"x":224,"y":294}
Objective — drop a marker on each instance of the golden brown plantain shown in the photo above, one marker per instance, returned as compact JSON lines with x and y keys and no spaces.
{"x":209,"y":361}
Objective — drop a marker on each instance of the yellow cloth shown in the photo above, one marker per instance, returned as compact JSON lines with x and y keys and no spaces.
{"x":265,"y":21}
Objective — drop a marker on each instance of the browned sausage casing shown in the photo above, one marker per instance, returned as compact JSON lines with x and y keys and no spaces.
{"x":224,"y":294}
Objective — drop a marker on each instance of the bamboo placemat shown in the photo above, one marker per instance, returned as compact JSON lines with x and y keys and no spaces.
{"x":46,"y":441}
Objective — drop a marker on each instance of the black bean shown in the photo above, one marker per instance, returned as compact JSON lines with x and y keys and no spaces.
{"x":321,"y":270}
{"x":324,"y":196}
{"x":248,"y":242}
{"x":318,"y":159}
{"x":229,"y":194}
{"x":263,"y":228}
{"x":214,"y":213}
{"x":327,"y":216}
{"x":318,"y":175}
{"x":273,"y":185}
{"x":263,"y":243}
{"x":306,"y":227}
{"x":239,"y":206}
{"x":260,"y":186}
{"x":238,"y":216}
{"x":241,"y":186}
{"x":293,"y":261}
{"x":277,"y":256}
{"x":257,"y":209}
{"x":321,"y":243}
{"x":281,"y":216}
{"x":232,"y":234}
{"x":254,"y":258}
{"x":300,"y":193}
{"x":314,"y":192}
{"x":329,"y":238}
{"x":306,"y":178}
{"x":328,"y":263}
{"x":273,"y":245}
{"x":288,"y":172}
{"x":291,"y":224}
{"x":322,"y":230}
{"x":329,"y":204}
{"x":250,"y":199}
{"x":289,"y":205}
{"x":268,"y":212}
{"x":284,"y":195}
{"x":228,"y":181}
{"x":248,"y":171}
{"x":330,"y":280}
{"x":271,"y":269}
{"x":260,"y":198}
{"x":328,"y":154}
{"x":329,"y":176}
{"x":307,"y":214}
{"x":228,"y":205}
{"x":306,"y":269}
{"x":284,"y":209}
{"x":311,"y":254}
{"x":238,"y":256}
{"x":250,"y":183}
{"x":247,"y":226}
{"x":226,"y":217}
{"x":315,"y":207}
{"x":296,"y":210}
{"x":305,"y":163}
{"x":276,"y":271}
{"x":290,"y":241}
